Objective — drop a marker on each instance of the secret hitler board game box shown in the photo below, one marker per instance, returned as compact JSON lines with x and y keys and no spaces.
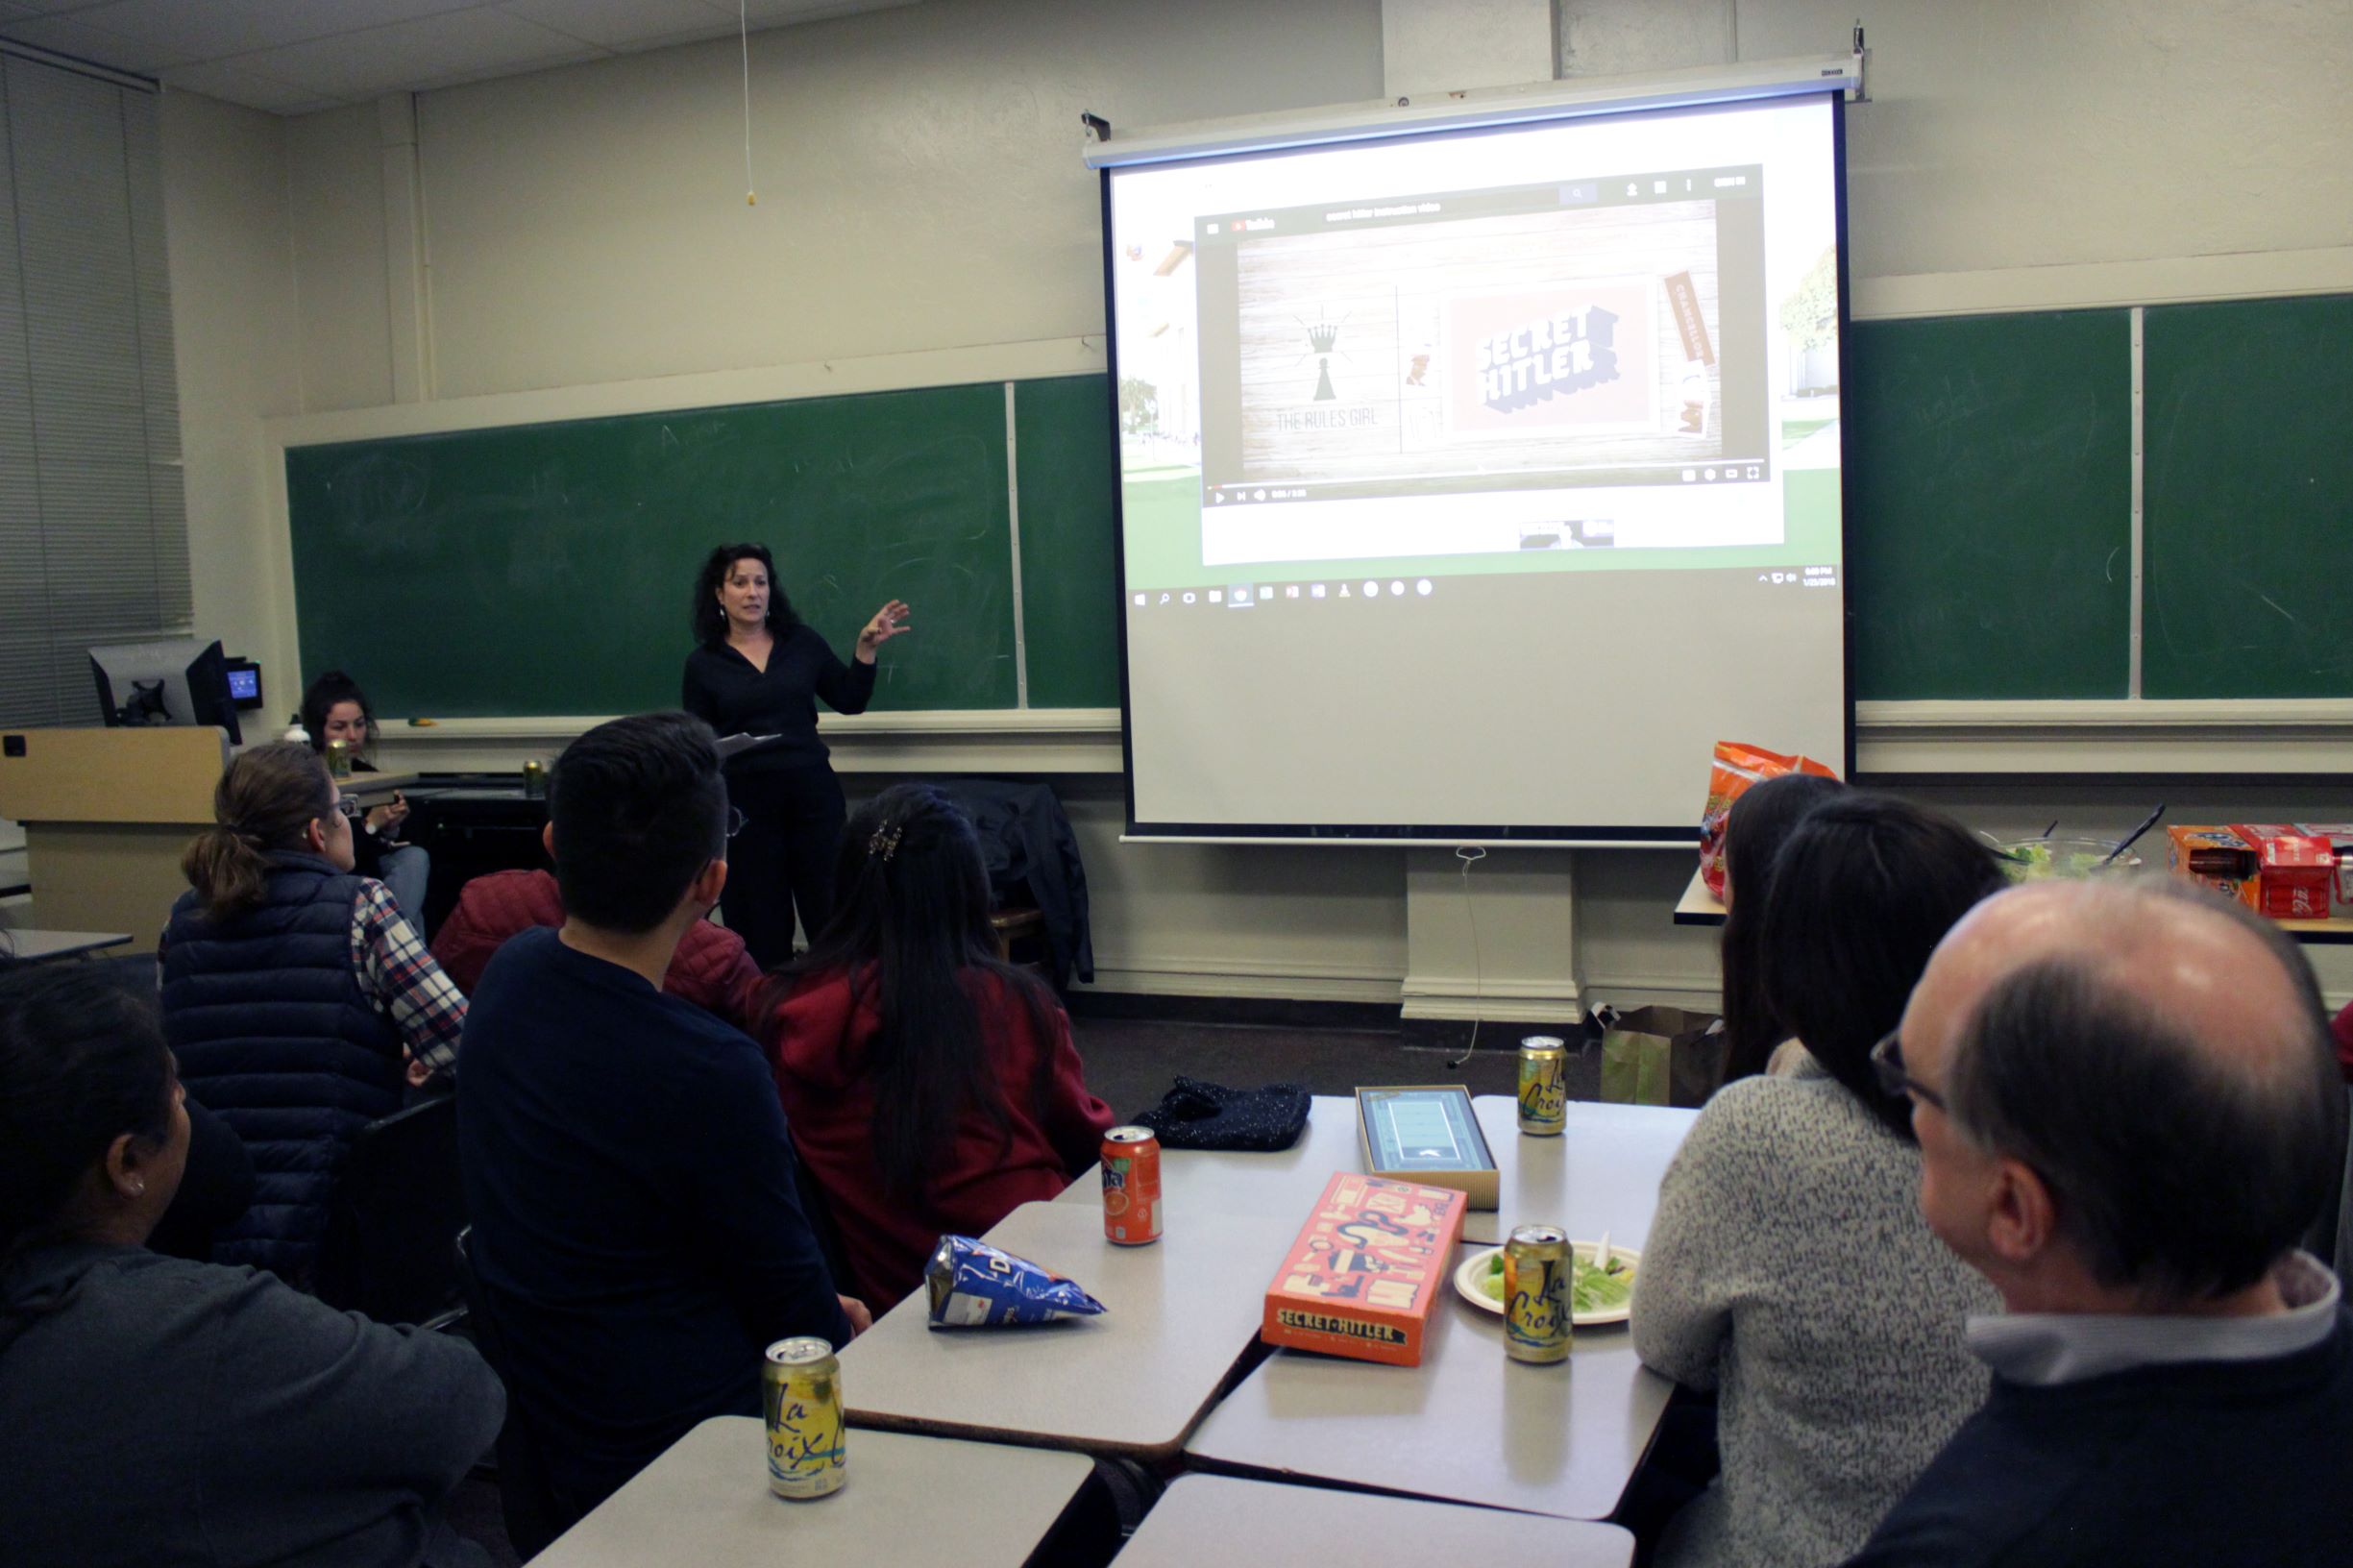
{"x":1368,"y":1269}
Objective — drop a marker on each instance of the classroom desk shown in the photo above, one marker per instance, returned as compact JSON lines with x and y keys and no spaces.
{"x":1698,"y":906}
{"x":1179,"y":1315}
{"x":1469,"y":1425}
{"x":1284,"y":1185}
{"x":1221,"y":1519}
{"x":1579,"y":1179}
{"x":706,"y":1502}
{"x":1602,"y":1174}
{"x":30,"y":945}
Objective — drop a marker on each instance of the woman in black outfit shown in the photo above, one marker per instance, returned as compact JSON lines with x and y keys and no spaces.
{"x":759,"y":671}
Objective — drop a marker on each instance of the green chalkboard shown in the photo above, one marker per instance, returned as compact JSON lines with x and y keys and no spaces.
{"x":2248,"y":517}
{"x":1065,"y":475}
{"x":548,"y":568}
{"x":544,"y":569}
{"x":1989,"y":481}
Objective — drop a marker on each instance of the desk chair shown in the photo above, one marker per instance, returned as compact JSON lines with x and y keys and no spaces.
{"x":397,"y":1209}
{"x":526,"y":1499}
{"x":1023,"y":926}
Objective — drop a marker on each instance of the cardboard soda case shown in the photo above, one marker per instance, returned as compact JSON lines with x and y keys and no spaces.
{"x":2339,"y":836}
{"x":1366,"y":1270}
{"x":2293,"y":870}
{"x":2215,"y":856}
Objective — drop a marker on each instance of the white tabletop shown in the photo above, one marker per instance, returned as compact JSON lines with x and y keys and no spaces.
{"x":1600,"y":1174}
{"x":1281,"y":1185}
{"x":706,"y":1503}
{"x":31,"y":944}
{"x":1221,"y":1519}
{"x":1698,"y":906}
{"x":1179,"y":1315}
{"x":1468,"y":1425}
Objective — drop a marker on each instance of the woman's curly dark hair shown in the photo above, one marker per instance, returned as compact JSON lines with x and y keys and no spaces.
{"x":711,"y":619}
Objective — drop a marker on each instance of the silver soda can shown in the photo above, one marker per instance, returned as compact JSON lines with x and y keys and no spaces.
{"x":1544,"y":1086}
{"x":1538,"y":1268}
{"x":800,"y":1386}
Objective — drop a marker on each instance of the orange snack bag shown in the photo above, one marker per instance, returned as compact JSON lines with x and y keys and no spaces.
{"x":1736,"y":767}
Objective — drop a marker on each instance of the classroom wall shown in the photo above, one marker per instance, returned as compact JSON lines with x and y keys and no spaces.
{"x":238,"y":346}
{"x":920,"y":190}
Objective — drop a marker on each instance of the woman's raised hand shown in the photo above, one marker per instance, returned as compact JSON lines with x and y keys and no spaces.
{"x":888,"y":622}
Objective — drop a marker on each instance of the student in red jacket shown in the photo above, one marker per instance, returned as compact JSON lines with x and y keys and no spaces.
{"x":931,"y":1086}
{"x":711,"y":969}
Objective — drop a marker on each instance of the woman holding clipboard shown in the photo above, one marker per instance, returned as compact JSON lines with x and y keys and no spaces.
{"x":758,"y":674}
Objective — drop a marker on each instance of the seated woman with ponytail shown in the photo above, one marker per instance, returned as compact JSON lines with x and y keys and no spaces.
{"x":930,"y":1086}
{"x":176,"y":1411}
{"x":298,"y":997}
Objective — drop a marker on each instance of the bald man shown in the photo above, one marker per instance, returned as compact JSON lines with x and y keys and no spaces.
{"x":2128,"y":1116}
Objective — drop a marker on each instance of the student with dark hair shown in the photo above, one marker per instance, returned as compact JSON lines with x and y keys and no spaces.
{"x":932,"y":1087}
{"x":1788,"y":1267}
{"x":335,"y":709}
{"x":710,"y":969}
{"x":162,"y":1411}
{"x":1761,"y":823}
{"x":637,"y":1232}
{"x":216,"y":1186}
{"x":759,"y":670}
{"x":2129,"y":1120}
{"x":297,"y":995}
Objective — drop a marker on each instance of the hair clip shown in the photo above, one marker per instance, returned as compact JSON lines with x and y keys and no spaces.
{"x":884,"y":844}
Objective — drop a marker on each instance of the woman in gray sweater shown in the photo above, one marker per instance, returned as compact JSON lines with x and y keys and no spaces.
{"x":176,"y":1411}
{"x":1788,"y":1267}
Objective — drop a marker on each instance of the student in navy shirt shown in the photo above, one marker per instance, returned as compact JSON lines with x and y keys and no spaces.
{"x":636,"y":1231}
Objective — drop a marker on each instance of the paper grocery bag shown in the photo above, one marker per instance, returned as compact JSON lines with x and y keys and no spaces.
{"x":1660,"y":1056}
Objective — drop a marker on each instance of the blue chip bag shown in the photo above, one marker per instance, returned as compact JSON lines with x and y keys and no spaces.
{"x":974,"y":1284}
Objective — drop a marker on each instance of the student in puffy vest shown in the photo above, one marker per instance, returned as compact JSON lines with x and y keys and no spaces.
{"x":298,"y":998}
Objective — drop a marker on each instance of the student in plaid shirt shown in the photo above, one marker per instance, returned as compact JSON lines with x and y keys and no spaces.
{"x":297,"y":996}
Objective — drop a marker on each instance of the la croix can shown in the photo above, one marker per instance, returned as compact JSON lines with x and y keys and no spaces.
{"x":1544,"y":1086}
{"x":801,"y":1386}
{"x":534,"y":779}
{"x":1536,"y":1267}
{"x":339,"y":759}
{"x":1131,"y":1186}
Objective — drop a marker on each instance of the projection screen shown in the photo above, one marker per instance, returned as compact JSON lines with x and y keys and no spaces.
{"x":1474,"y":482}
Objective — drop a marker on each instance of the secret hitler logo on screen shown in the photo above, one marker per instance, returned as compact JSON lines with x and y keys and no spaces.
{"x":1577,"y":357}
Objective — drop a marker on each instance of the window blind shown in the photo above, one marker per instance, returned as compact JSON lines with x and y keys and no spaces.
{"x":93,"y":528}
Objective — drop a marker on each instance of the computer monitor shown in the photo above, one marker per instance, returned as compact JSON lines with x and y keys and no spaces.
{"x":175,"y":680}
{"x":244,"y":683}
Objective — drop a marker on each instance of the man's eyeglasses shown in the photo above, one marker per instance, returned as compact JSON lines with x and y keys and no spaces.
{"x":736,"y":820}
{"x":349,"y":808}
{"x":1887,"y":1061}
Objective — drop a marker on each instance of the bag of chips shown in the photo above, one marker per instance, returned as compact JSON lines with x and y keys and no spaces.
{"x":974,"y":1284}
{"x":1737,"y":766}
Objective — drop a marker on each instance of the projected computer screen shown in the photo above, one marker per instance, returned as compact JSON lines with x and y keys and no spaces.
{"x":1474,"y":485}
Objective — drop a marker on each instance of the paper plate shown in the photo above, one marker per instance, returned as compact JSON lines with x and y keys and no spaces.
{"x":1466,"y":1283}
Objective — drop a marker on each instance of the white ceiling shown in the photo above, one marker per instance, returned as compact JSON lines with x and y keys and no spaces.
{"x":294,"y":55}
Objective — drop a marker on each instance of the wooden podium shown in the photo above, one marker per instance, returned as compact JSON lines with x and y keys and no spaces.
{"x":107,"y":815}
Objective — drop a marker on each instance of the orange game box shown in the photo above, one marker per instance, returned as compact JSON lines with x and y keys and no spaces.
{"x":1366,"y":1270}
{"x":2293,"y":871}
